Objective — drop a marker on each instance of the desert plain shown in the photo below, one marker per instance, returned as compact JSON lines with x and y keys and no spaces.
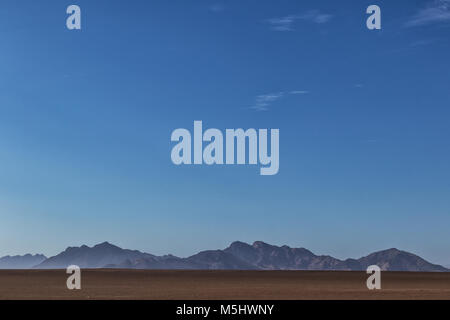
{"x":106,"y":284}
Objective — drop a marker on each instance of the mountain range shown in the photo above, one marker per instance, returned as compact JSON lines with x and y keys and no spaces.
{"x":27,"y":261}
{"x":238,"y":256}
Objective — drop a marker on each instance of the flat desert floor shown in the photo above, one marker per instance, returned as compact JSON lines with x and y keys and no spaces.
{"x":218,"y":285}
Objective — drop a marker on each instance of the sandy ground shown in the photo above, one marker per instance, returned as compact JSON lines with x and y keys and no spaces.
{"x":226,"y":285}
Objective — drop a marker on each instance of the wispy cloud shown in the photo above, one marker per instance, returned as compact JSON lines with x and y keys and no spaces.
{"x":287,"y":23}
{"x":282,"y":24}
{"x":423,"y":42}
{"x":264,"y":101}
{"x":216,"y":8}
{"x":299,"y":92}
{"x":437,"y":11}
{"x":316,"y":16}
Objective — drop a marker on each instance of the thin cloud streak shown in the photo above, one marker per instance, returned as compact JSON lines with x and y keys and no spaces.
{"x":286,"y":23}
{"x":216,"y":8}
{"x":299,"y":92}
{"x":438,"y":11}
{"x":282,"y":24}
{"x":264,"y":101}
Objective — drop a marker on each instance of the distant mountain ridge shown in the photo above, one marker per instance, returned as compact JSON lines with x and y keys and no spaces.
{"x":238,"y":256}
{"x":21,"y":262}
{"x":269,"y":257}
{"x":98,"y":256}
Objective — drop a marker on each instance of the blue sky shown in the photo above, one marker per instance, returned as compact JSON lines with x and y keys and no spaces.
{"x":86,"y":118}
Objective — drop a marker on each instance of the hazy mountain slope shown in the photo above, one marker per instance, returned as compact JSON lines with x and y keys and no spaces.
{"x":397,"y":260}
{"x":27,"y":261}
{"x":96,"y":257}
{"x":158,"y":263}
{"x":204,"y":260}
{"x":269,"y":257}
{"x":218,"y":259}
{"x":238,"y":256}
